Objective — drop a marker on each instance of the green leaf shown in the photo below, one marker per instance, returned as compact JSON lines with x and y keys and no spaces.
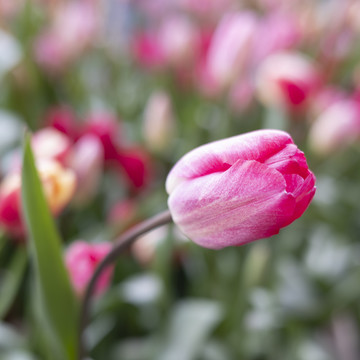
{"x":59,"y":302}
{"x":11,"y":280}
{"x":190,"y":326}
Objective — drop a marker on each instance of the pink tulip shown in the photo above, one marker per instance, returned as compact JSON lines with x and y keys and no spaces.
{"x":159,"y":122}
{"x":277,"y":31}
{"x":207,"y":9}
{"x":326,"y":97}
{"x":63,"y":119}
{"x":237,"y":190}
{"x":337,"y":127}
{"x":81,"y":260}
{"x":178,"y":38}
{"x":135,"y":164}
{"x":229,"y":50}
{"x":58,"y":185}
{"x":148,"y":51}
{"x":287,"y":80}
{"x":107,"y":129}
{"x":123,"y":213}
{"x":87,"y":162}
{"x":71,"y":32}
{"x":49,"y":143}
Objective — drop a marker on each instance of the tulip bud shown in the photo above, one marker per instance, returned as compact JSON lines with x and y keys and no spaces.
{"x":87,"y":162}
{"x":286,"y":80}
{"x":58,"y":184}
{"x":48,"y":143}
{"x":10,"y":206}
{"x":159,"y":122}
{"x":178,"y":38}
{"x":71,"y":32}
{"x":148,"y":51}
{"x":144,"y":248}
{"x":326,"y":97}
{"x":135,"y":163}
{"x":229,"y":49}
{"x":337,"y":127}
{"x":277,"y":31}
{"x":123,"y":214}
{"x":237,"y":190}
{"x":107,"y":129}
{"x":81,"y":259}
{"x":62,"y":119}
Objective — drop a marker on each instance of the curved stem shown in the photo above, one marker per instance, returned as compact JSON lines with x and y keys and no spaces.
{"x":121,"y":244}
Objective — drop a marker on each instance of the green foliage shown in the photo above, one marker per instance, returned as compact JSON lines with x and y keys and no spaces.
{"x":60,"y":307}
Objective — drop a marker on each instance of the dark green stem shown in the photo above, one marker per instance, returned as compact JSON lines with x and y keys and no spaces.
{"x":121,"y":244}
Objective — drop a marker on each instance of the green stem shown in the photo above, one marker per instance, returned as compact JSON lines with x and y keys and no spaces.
{"x":122,"y":243}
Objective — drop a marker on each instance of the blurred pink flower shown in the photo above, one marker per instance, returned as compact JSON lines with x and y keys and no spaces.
{"x":159,"y":122}
{"x":81,"y":260}
{"x":337,"y":127}
{"x":71,"y":32}
{"x":286,"y":80}
{"x":237,"y":190}
{"x":123,"y":213}
{"x":208,"y":10}
{"x":49,"y":143}
{"x":58,"y":185}
{"x":148,"y":51}
{"x":87,"y":162}
{"x":178,"y":38}
{"x":9,"y":8}
{"x":230,"y":47}
{"x":326,"y":97}
{"x":107,"y":129}
{"x":276,"y":31}
{"x":241,"y":94}
{"x":63,"y":119}
{"x":135,"y":164}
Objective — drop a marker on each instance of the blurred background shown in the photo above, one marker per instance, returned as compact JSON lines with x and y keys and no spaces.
{"x":115,"y":92}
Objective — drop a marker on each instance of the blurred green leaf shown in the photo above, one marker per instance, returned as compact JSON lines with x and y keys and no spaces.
{"x":190,"y":325}
{"x":10,"y":282}
{"x":60,"y":306}
{"x":9,"y":338}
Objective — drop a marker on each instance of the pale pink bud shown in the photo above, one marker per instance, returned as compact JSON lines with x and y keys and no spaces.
{"x":178,"y":38}
{"x":10,"y":8}
{"x":81,"y":259}
{"x":107,"y":129}
{"x":286,"y":80}
{"x":159,"y":123}
{"x":72,"y":31}
{"x":326,"y":97}
{"x":337,"y":127}
{"x":49,"y":143}
{"x":50,"y":53}
{"x":144,"y":248}
{"x":277,"y":31}
{"x":63,"y":119}
{"x":208,"y":9}
{"x":87,"y":162}
{"x":237,"y":190}
{"x":10,"y":206}
{"x":123,"y":213}
{"x":230,"y":46}
{"x":241,"y":94}
{"x":58,"y":184}
{"x":148,"y":51}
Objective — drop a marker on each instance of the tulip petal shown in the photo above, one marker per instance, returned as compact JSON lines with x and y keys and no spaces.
{"x":249,"y":201}
{"x":290,"y":160}
{"x":217,"y":156}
